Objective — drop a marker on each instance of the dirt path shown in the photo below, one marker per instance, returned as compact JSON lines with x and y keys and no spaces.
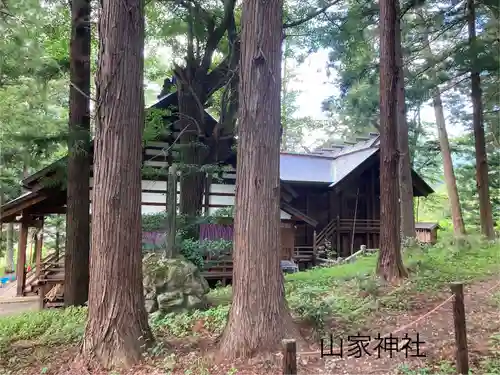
{"x":436,"y":330}
{"x":8,"y":290}
{"x":18,"y":305}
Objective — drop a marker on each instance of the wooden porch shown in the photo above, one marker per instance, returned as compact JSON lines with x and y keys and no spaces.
{"x":342,"y":234}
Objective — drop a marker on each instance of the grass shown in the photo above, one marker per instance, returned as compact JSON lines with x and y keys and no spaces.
{"x":347,"y":294}
{"x":47,"y":327}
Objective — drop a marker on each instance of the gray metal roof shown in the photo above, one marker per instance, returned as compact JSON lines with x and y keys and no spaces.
{"x":327,"y":166}
{"x":428,"y":226}
{"x":345,"y":164}
{"x":305,"y":168}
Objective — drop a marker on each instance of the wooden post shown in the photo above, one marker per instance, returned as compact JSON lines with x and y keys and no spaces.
{"x":462,"y":355}
{"x":21,"y":257}
{"x":57,"y":245}
{"x":171,"y":211}
{"x":339,"y":250}
{"x":41,"y":297}
{"x":375,"y":215}
{"x":289,"y":357}
{"x":354,"y":222}
{"x":314,"y":256}
{"x":208,"y":182}
{"x":38,"y":250}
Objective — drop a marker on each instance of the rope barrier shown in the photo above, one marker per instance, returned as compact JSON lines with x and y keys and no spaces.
{"x":409,"y":324}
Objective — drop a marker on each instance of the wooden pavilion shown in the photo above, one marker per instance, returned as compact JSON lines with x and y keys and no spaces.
{"x":330,"y":201}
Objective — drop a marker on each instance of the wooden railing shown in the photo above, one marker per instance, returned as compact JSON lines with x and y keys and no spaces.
{"x":218,"y":268}
{"x":223,"y":268}
{"x":52,"y":271}
{"x":361,"y":225}
{"x":303,"y":253}
{"x":345,"y":225}
{"x":48,"y":265}
{"x":326,"y":232}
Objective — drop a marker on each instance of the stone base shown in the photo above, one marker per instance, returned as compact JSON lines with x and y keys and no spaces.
{"x":173,"y":285}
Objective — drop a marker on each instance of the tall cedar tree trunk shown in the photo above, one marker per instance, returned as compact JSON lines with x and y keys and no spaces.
{"x":76,"y":259}
{"x":2,"y":200}
{"x":449,"y":174}
{"x":390,"y":264}
{"x":404,"y":166}
{"x":485,"y":209}
{"x":9,"y":256}
{"x":192,"y":153}
{"x":444,"y":144}
{"x":284,"y":91}
{"x":259,"y":317}
{"x":117,"y":326}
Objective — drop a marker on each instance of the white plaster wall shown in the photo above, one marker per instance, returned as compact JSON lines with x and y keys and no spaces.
{"x":159,"y":196}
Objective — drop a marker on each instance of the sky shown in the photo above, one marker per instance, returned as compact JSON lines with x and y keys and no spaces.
{"x":312,"y":81}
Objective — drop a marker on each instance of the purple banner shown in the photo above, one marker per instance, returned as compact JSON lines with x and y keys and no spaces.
{"x":216,"y":232}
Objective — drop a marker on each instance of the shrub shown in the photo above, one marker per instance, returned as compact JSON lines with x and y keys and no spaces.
{"x":180,"y":325}
{"x":196,"y":250}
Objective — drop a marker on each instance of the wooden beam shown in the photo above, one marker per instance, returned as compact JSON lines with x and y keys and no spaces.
{"x":18,"y":208}
{"x":44,"y":211}
{"x":289,"y":189}
{"x":286,"y":196}
{"x":21,"y":259}
{"x":294,"y":212}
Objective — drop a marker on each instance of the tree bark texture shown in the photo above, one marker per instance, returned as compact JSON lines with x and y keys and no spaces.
{"x":171,"y":196}
{"x":485,"y":209}
{"x":192,"y":123}
{"x":76,"y":259}
{"x":449,"y":173}
{"x":390,"y":265}
{"x":404,"y":166}
{"x":9,"y":256}
{"x":117,"y":326}
{"x":259,"y":316}
{"x":2,"y":200}
{"x":444,"y":144}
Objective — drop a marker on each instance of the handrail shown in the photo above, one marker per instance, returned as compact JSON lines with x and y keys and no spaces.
{"x":360,"y":220}
{"x":45,"y":264}
{"x":342,"y":223}
{"x":326,"y":231}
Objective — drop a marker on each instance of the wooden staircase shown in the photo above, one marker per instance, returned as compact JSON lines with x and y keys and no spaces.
{"x":332,"y":231}
{"x":47,"y":280}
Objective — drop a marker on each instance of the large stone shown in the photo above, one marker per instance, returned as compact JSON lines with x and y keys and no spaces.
{"x":173,"y":285}
{"x":151,"y":305}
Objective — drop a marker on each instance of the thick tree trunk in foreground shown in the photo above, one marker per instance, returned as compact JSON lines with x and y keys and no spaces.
{"x":449,"y":174}
{"x":9,"y":256}
{"x":76,"y":259}
{"x":117,"y":327}
{"x":404,"y":166}
{"x":390,"y":265}
{"x":485,"y":209}
{"x":259,"y":317}
{"x":192,"y":152}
